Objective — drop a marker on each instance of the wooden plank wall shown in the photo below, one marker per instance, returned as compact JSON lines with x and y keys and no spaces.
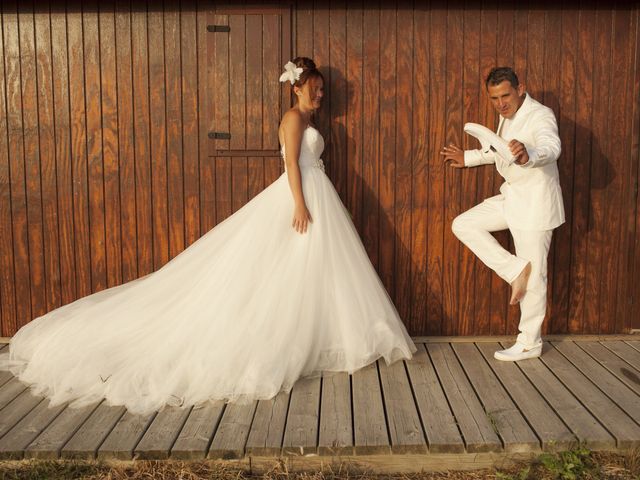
{"x":105,"y":173}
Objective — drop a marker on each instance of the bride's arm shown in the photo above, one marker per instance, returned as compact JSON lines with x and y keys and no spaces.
{"x":293,"y":129}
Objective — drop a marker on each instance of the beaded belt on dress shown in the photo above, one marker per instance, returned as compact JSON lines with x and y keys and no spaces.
{"x":318,"y":163}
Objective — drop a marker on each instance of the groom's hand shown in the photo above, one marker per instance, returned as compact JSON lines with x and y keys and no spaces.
{"x":519,"y":151}
{"x":453,"y":154}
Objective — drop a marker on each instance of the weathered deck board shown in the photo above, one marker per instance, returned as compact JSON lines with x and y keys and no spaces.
{"x":616,"y":390}
{"x":618,"y":423}
{"x":616,"y":365}
{"x":17,"y":409}
{"x":634,"y":344}
{"x":267,"y":429}
{"x":232,"y":433}
{"x":553,"y":433}
{"x":86,"y":441}
{"x":509,"y":422}
{"x":5,"y":376}
{"x":439,"y":424}
{"x":121,"y":442}
{"x":197,"y":432}
{"x":15,"y":442}
{"x":301,"y":431}
{"x":403,"y":421}
{"x":369,"y":423}
{"x":336,"y":424}
{"x":50,"y":442}
{"x":628,"y":351}
{"x":586,"y":428}
{"x":432,"y":407}
{"x":478,"y":433}
{"x":158,"y":439}
{"x":10,"y":390}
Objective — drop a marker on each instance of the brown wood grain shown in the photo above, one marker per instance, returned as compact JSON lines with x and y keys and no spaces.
{"x":484,"y":175}
{"x":191,"y":105}
{"x":238,"y":106}
{"x":452,"y":295}
{"x":598,"y":223}
{"x":206,"y":114}
{"x":63,"y":164}
{"x":633,"y":268}
{"x":337,"y":101}
{"x":404,"y":156}
{"x":95,"y":152}
{"x":388,"y":137}
{"x":158,"y":132}
{"x":560,"y":269}
{"x":8,"y":307}
{"x":126,"y":140}
{"x":471,"y":91}
{"x":435,"y":199}
{"x":321,"y":55}
{"x":78,"y":129}
{"x":354,"y":157}
{"x":614,"y":312}
{"x":110,"y":143}
{"x":46,"y":136}
{"x":371,"y":132}
{"x":32,"y":165}
{"x":175,"y":135}
{"x":581,"y":194}
{"x":142,"y":133}
{"x":420,"y":172}
{"x":272,"y":97}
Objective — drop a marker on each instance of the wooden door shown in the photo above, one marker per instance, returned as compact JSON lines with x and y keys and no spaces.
{"x":247,"y":47}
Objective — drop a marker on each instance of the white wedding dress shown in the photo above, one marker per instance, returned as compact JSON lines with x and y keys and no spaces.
{"x":239,"y":315}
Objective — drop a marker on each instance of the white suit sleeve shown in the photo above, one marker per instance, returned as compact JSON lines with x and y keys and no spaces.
{"x":473,"y":158}
{"x":547,"y":142}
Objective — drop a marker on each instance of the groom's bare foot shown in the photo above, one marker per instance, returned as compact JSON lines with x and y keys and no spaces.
{"x":519,"y":285}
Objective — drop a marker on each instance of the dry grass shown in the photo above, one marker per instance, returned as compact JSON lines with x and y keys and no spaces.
{"x":591,"y":466}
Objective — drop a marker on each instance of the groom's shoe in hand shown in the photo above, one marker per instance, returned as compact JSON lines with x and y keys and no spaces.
{"x":518,"y":352}
{"x":519,"y":285}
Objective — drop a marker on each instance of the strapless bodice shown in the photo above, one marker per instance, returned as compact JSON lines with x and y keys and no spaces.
{"x":310,"y":149}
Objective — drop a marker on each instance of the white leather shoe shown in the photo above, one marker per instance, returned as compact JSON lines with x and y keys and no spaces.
{"x":518,"y":352}
{"x":489,"y":140}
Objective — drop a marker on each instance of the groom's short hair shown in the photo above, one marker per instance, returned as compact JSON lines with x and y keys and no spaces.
{"x":498,"y":75}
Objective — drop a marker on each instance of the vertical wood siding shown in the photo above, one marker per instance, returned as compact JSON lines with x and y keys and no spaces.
{"x":107,"y":171}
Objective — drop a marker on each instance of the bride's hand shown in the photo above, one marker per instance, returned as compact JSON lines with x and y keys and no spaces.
{"x":301,"y":218}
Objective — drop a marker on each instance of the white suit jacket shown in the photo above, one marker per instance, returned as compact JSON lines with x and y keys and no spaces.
{"x":532,"y":195}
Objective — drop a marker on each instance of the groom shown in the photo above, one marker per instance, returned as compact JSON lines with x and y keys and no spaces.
{"x":529,"y":204}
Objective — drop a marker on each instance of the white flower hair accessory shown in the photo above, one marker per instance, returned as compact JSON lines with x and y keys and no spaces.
{"x":291,"y":73}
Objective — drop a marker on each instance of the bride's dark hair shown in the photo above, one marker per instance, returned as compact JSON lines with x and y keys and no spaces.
{"x":309,"y":70}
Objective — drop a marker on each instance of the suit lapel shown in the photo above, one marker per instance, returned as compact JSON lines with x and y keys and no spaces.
{"x":500,"y":123}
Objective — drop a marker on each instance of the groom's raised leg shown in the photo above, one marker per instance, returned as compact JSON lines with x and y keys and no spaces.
{"x":474,"y":228}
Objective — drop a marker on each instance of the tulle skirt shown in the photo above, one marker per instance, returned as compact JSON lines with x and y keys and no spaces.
{"x":239,"y":315}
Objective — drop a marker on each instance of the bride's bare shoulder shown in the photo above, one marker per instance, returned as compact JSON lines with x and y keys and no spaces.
{"x":292,"y":118}
{"x":292,"y":123}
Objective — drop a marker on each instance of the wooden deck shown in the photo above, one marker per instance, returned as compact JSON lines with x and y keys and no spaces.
{"x":452,"y":406}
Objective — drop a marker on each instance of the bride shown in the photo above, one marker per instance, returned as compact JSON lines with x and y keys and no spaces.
{"x":254,"y":304}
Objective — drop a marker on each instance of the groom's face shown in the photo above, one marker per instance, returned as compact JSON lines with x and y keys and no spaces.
{"x":505,"y":98}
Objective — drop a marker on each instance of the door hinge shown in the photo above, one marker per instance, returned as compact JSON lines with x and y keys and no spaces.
{"x":218,"y":28}
{"x":219,"y":136}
